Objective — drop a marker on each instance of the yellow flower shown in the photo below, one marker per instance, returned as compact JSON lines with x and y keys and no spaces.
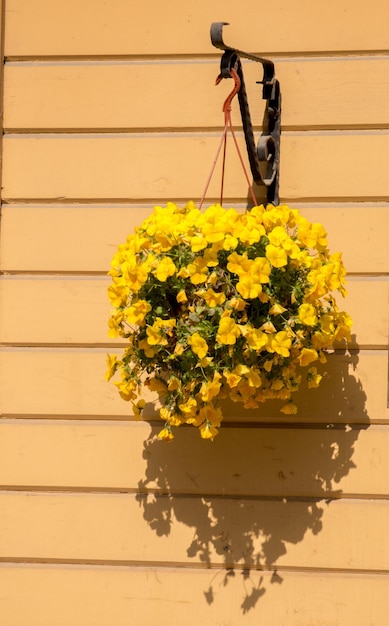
{"x":254,"y":379}
{"x":238,"y":263}
{"x":179,"y":349}
{"x":210,"y":389}
{"x":345,"y":323}
{"x":262,"y":269}
{"x":148,"y":350}
{"x":277,"y":236}
{"x":237,"y":304}
{"x":313,"y":378}
{"x":268,"y":327}
{"x":181,"y":296}
{"x":127,"y":389}
{"x":230,"y":242}
{"x":165,"y":269}
{"x":204,"y":362}
{"x":118,"y":292}
{"x":280,"y":343}
{"x":174,"y":384}
{"x":136,"y":313}
{"x":215,"y":224}
{"x":155,"y":337}
{"x":114,"y":324}
{"x":307,"y":356}
{"x":198,"y":243}
{"x":212,"y":298}
{"x":277,"y":309}
{"x":232,"y":379}
{"x":228,"y":331}
{"x":289,"y":409}
{"x":156,"y":334}
{"x":198,"y":271}
{"x":133,"y":274}
{"x":198,"y":344}
{"x":166,"y":434}
{"x":207,"y":431}
{"x":249,"y":286}
{"x":165,"y":413}
{"x":189,"y":407}
{"x":256,"y":339}
{"x":138,"y":407}
{"x":276,"y":255}
{"x":307,"y":315}
{"x":112,"y":365}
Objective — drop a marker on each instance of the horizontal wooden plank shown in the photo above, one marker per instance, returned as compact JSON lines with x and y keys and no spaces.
{"x":98,"y":27}
{"x":83,"y":238}
{"x":122,"y":456}
{"x":84,"y":309}
{"x":314,"y":165}
{"x":68,"y":382}
{"x":208,"y":531}
{"x":43,"y":596}
{"x":317,"y":93}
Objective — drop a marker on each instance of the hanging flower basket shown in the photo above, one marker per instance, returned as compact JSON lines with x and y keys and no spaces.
{"x":219,"y":304}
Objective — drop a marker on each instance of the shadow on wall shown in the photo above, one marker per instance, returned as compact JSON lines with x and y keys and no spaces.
{"x":260,"y":485}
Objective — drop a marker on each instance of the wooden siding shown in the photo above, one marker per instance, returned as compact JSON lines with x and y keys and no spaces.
{"x":108,"y":109}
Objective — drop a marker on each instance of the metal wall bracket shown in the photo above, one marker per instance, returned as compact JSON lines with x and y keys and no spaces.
{"x":265,"y":157}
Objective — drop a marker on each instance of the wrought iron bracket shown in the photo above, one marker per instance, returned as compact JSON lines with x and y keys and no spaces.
{"x":265,"y":157}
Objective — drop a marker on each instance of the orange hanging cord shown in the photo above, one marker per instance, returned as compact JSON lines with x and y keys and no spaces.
{"x":223,"y":142}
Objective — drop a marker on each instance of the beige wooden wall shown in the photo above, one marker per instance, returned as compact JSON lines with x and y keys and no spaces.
{"x":110,"y":107}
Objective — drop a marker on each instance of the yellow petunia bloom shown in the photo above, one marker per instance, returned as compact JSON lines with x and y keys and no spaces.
{"x":118,"y":292}
{"x":189,"y":407}
{"x":136,"y":313}
{"x":181,"y":296}
{"x":261,"y":268}
{"x":134,"y":274}
{"x":253,"y":377}
{"x":277,"y":309}
{"x":307,"y":356}
{"x":210,"y":389}
{"x":307,"y":315}
{"x":197,"y":271}
{"x":112,"y":365}
{"x":165,"y":269}
{"x":198,"y":243}
{"x":138,"y":407}
{"x":239,"y":263}
{"x":257,"y":339}
{"x":228,"y":331}
{"x":237,"y":304}
{"x":149,"y":351}
{"x":232,"y":378}
{"x":276,"y":255}
{"x":207,"y":431}
{"x":249,"y":286}
{"x":313,"y":378}
{"x":289,"y":409}
{"x":158,"y":332}
{"x":166,"y":434}
{"x":212,"y":298}
{"x":279,"y":343}
{"x":198,"y":344}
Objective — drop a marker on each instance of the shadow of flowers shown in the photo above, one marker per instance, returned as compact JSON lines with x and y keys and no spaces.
{"x":262,"y":484}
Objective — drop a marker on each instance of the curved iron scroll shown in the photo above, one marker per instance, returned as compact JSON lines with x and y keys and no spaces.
{"x":267,"y":151}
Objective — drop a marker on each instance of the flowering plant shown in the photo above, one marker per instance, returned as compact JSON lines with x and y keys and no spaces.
{"x":220,"y":304}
